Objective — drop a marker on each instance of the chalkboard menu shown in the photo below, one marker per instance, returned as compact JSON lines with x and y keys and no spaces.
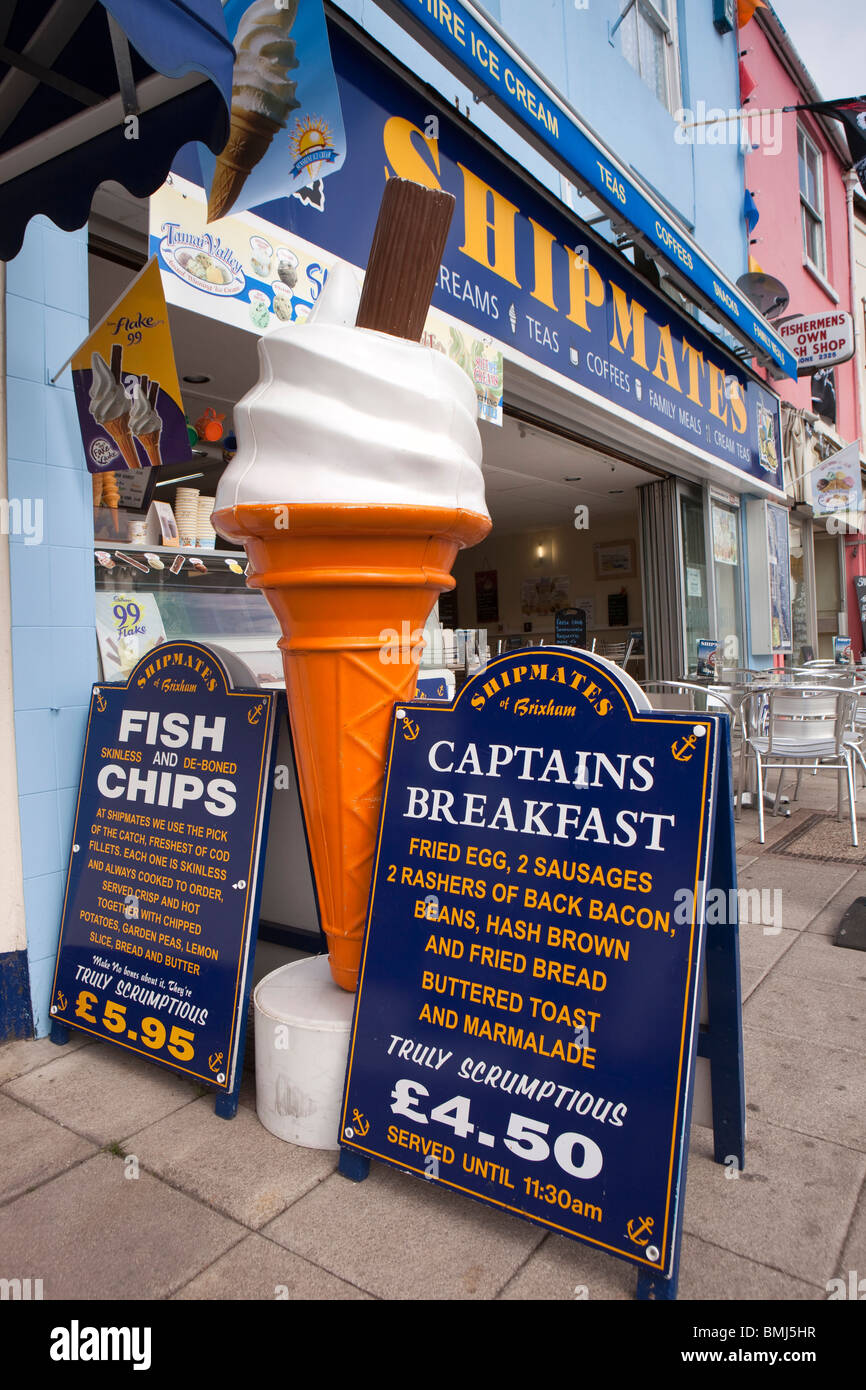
{"x":617,"y":610}
{"x":570,"y":627}
{"x":156,"y":940}
{"x":526,"y":1022}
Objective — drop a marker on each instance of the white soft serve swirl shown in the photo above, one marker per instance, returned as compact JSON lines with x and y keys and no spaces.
{"x":343,"y":415}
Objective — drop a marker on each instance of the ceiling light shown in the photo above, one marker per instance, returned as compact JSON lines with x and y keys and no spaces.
{"x":616,"y":492}
{"x":197,"y":379}
{"x":572,"y":480}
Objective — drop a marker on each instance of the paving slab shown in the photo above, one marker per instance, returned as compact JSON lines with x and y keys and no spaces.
{"x":234,"y":1165}
{"x":565,"y":1270}
{"x":812,"y":1087}
{"x":92,"y":1233}
{"x":817,"y":1010}
{"x":761,"y":947}
{"x":401,"y":1238}
{"x":791,"y":1207}
{"x":815,"y":957}
{"x":33,"y":1149}
{"x":827,"y":921}
{"x":102,"y":1092}
{"x":26,"y":1054}
{"x":806,"y":887}
{"x":853,"y":1256}
{"x":259,"y":1269}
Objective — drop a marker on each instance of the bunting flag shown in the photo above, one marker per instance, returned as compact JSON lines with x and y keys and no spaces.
{"x":750,"y":212}
{"x":746,"y":10}
{"x":851,"y":111}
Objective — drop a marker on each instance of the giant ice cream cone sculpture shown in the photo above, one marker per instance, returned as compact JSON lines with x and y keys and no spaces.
{"x":357,"y":479}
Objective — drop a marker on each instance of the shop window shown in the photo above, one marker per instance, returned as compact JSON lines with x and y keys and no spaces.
{"x":648,"y":34}
{"x":812,"y":201}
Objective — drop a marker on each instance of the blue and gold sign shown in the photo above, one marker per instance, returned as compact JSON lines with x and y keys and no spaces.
{"x":157,"y":940}
{"x":526,"y":1022}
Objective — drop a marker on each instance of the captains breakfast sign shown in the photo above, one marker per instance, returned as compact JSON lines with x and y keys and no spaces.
{"x":526,"y":1020}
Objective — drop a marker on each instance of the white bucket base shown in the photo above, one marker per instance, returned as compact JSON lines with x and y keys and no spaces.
{"x":302,"y":1040}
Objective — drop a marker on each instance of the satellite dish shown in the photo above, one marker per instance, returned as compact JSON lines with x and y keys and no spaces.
{"x":769,"y":296}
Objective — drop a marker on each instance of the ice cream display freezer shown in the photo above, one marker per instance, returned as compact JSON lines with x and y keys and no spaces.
{"x":209,"y":603}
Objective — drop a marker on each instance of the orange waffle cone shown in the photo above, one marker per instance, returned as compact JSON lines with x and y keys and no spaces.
{"x":339,"y":579}
{"x":120,"y":433}
{"x":250,"y":136}
{"x":150,"y":444}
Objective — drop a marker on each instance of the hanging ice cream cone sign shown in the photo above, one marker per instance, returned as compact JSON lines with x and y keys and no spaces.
{"x":356,"y":482}
{"x":126,"y":386}
{"x":286,"y":123}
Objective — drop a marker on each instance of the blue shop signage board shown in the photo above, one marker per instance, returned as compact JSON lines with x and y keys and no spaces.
{"x":520,"y":272}
{"x":474,"y":44}
{"x":526,"y":1020}
{"x":157,"y":938}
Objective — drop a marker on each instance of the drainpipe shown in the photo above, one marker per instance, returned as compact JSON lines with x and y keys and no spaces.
{"x":855,"y":552}
{"x":851,"y":182}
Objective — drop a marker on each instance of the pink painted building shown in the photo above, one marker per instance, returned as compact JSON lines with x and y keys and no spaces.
{"x":799,"y":178}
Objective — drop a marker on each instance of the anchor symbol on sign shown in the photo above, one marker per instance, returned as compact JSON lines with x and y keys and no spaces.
{"x":101,"y":702}
{"x":255,"y":714}
{"x":61,"y":1000}
{"x":214,"y":1061}
{"x":411,"y":730}
{"x":362,"y":1126}
{"x":646,"y":1225}
{"x":683,"y":751}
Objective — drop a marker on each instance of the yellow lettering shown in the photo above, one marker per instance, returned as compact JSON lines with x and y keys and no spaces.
{"x":542,"y":241}
{"x":585,"y":286}
{"x":718,"y":405}
{"x":628,"y":319}
{"x":477,"y":198}
{"x":739,"y":419}
{"x":696,"y":364}
{"x":406,"y":160}
{"x":667,"y":360}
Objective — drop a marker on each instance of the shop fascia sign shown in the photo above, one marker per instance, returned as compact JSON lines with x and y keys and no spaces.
{"x":529,"y":104}
{"x":819,"y":340}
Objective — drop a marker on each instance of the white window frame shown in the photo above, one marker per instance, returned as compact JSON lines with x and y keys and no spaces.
{"x":817,"y":213}
{"x":655,"y":16}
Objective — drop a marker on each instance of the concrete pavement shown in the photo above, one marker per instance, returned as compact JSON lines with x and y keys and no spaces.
{"x":118,"y":1181}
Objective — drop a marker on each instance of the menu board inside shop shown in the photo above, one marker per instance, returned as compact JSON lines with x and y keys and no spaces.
{"x":525,"y":1025}
{"x":570,"y":627}
{"x":156,"y":941}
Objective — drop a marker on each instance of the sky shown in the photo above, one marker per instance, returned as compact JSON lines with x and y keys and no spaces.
{"x":830,"y":37}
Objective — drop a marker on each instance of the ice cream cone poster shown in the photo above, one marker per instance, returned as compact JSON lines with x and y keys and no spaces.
{"x":286,"y":122}
{"x":126,"y":387}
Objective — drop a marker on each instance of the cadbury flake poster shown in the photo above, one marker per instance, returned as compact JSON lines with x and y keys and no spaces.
{"x":126,"y":389}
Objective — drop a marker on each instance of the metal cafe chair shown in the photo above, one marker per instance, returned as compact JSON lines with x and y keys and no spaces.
{"x":799,"y":727}
{"x":618,"y":652}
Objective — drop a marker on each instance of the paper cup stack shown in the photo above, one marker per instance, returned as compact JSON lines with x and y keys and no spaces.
{"x":138,"y":531}
{"x":206,"y":535}
{"x":186,"y":515}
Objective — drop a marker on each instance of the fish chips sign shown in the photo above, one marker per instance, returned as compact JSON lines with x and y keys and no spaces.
{"x":526,"y":1020}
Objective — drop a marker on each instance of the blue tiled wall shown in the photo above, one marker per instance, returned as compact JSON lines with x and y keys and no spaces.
{"x":53,"y":636}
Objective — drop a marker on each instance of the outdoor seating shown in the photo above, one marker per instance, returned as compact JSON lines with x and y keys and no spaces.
{"x":800,"y":727}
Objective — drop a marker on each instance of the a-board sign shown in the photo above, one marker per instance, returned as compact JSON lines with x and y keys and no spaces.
{"x":525,"y":1026}
{"x":156,"y":940}
{"x":570,"y":627}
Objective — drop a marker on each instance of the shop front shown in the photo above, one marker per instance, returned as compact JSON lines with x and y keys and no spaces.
{"x":631,"y":462}
{"x":623,"y":448}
